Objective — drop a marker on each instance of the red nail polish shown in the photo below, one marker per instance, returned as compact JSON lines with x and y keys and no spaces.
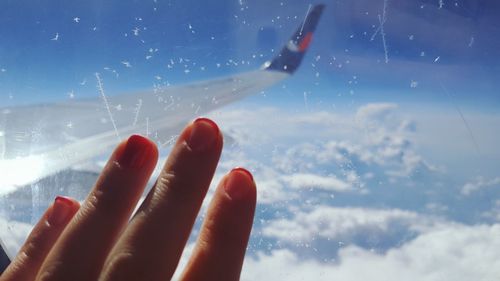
{"x":204,"y":132}
{"x":238,"y":183}
{"x":61,"y":211}
{"x":136,"y":152}
{"x":240,"y":169}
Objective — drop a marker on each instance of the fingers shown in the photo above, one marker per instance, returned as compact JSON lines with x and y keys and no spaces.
{"x":221,"y":246}
{"x":150,"y":247}
{"x":41,"y":239}
{"x":82,"y":248}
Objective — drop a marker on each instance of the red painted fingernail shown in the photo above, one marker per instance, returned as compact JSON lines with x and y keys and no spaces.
{"x":203,"y":134}
{"x":238,"y":183}
{"x":136,"y":152}
{"x":61,"y":211}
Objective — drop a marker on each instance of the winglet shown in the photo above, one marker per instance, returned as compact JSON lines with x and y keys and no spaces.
{"x":291,"y":55}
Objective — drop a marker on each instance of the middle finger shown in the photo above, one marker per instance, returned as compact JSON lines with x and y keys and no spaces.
{"x":151,"y":246}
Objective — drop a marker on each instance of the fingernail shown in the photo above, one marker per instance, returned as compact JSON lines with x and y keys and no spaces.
{"x":203,"y":134}
{"x":61,"y":211}
{"x":136,"y":152}
{"x":238,"y":183}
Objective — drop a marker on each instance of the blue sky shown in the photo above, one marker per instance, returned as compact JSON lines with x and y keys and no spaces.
{"x":359,"y":161}
{"x":426,"y":45}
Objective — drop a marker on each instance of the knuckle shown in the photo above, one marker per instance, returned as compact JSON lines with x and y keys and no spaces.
{"x":178,"y":185}
{"x":98,"y":204}
{"x":34,"y":249}
{"x":49,"y":272}
{"x":98,"y":201}
{"x":29,"y":251}
{"x":125,"y":265}
{"x":103,"y":197}
{"x":119,"y":261}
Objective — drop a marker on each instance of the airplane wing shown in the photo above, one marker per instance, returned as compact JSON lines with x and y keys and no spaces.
{"x":40,"y":140}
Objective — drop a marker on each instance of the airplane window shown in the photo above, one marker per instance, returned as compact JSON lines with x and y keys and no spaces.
{"x":371,"y":126}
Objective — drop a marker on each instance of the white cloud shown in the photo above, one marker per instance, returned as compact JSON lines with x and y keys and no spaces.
{"x":342,"y":224}
{"x":305,"y":180}
{"x":376,"y":134}
{"x":272,"y":190}
{"x":289,"y":151}
{"x":453,"y":252}
{"x":494,"y":212}
{"x":13,"y":234}
{"x":478,"y":184}
{"x":373,"y":113}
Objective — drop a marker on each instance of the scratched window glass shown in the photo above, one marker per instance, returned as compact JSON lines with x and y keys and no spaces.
{"x":371,"y":126}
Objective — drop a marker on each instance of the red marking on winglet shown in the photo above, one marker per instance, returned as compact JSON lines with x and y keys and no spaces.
{"x":305,"y":43}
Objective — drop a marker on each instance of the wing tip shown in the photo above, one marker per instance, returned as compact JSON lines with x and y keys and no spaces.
{"x":290,"y":57}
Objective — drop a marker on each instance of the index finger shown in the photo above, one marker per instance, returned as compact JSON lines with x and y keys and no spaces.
{"x":85,"y":243}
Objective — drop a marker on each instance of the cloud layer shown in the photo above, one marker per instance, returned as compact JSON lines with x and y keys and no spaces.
{"x":339,"y":193}
{"x":353,"y":192}
{"x":454,"y":252}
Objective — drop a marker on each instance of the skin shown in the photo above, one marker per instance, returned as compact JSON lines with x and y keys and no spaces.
{"x":97,"y":241}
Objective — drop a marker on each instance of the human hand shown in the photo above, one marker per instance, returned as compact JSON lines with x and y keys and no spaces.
{"x":96,"y":241}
